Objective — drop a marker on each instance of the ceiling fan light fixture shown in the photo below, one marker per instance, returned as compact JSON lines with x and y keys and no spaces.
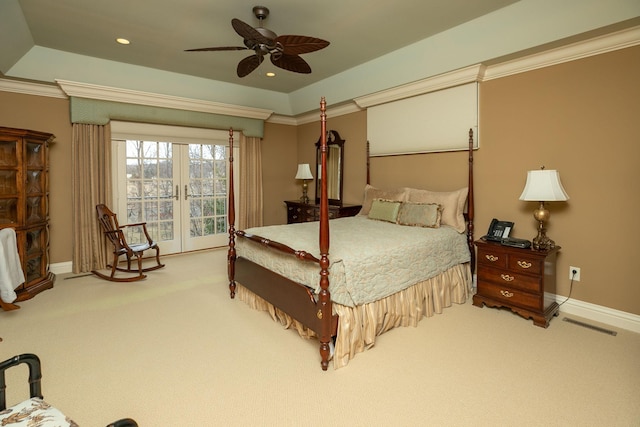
{"x":122,"y":40}
{"x":283,"y":51}
{"x":270,"y":74}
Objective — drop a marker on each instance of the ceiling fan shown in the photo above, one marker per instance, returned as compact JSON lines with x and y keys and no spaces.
{"x":284,"y":51}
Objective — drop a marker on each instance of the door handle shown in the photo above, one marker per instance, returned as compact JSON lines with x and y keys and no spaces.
{"x":185,"y":192}
{"x":177,"y":196}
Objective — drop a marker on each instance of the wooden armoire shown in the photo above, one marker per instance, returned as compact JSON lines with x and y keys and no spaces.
{"x":24,"y":203}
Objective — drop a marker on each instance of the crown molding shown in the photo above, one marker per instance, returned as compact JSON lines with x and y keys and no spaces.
{"x":338,"y":110}
{"x":31,"y":88}
{"x":282,"y":120}
{"x":469,"y":74}
{"x":105,"y":93}
{"x":313,"y":116}
{"x":595,"y":46}
{"x":591,"y":47}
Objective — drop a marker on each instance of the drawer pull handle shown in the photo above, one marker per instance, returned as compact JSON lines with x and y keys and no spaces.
{"x":507,"y":278}
{"x":506,"y":294}
{"x":491,"y":258}
{"x":524,"y":264}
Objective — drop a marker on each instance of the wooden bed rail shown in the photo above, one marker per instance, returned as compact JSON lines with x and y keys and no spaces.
{"x":303,"y":255}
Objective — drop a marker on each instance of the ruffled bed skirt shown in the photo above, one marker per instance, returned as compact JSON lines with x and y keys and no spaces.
{"x":359,"y":326}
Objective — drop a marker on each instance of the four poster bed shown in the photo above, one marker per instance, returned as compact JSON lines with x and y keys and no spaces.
{"x":408,"y":254}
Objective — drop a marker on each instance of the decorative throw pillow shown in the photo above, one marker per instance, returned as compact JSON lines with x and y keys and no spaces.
{"x":370,"y":193}
{"x":384,"y":210}
{"x":420,"y":214}
{"x":452,"y":203}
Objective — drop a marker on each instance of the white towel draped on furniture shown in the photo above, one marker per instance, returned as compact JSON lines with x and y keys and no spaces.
{"x":11,"y":274}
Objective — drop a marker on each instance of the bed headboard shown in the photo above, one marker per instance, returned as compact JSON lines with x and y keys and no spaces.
{"x":469,"y":212}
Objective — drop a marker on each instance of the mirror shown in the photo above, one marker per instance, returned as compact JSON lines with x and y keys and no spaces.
{"x":335,"y":167}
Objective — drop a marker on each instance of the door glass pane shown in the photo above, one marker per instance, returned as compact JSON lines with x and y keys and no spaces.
{"x":207,"y":184}
{"x":149,"y":188}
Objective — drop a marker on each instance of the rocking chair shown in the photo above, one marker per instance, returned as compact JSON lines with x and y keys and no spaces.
{"x":115,"y":235}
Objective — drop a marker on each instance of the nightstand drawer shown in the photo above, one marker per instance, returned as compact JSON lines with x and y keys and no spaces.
{"x":510,"y":279}
{"x":510,"y":296}
{"x":525,"y":264}
{"x":492,"y":258}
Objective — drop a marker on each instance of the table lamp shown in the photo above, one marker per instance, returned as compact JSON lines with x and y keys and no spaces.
{"x":304,"y":173}
{"x":543,"y":186}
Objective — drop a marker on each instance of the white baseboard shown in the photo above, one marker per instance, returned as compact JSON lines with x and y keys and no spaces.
{"x":598,"y":313}
{"x":61,"y":267}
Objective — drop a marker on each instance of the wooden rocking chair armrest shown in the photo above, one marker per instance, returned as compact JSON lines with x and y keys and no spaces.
{"x":144,"y":230}
{"x":137,"y":224}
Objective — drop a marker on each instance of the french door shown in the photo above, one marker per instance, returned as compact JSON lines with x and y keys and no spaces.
{"x":178,"y":188}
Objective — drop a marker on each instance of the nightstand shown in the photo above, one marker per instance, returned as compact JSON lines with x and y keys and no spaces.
{"x":305,"y":212}
{"x":517,"y":279}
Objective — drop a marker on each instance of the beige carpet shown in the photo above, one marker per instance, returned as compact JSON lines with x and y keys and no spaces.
{"x":174,"y":350}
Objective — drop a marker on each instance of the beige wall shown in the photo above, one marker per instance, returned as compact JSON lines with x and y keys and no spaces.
{"x":579,"y":117}
{"x":48,"y":115}
{"x":279,"y":166}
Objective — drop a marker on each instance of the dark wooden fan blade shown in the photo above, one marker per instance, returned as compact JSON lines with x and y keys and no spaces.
{"x":217,"y":48}
{"x":291,"y":63}
{"x":248,"y":64}
{"x":247,"y":32}
{"x":297,"y":45}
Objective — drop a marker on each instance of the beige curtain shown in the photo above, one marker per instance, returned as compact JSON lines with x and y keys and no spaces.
{"x":250,"y":200}
{"x":91,"y":177}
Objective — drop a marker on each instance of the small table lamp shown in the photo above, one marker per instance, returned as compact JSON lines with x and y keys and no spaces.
{"x":543,"y":186}
{"x":304,"y":173}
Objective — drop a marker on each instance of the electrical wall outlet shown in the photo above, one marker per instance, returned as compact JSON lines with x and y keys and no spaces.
{"x":576,"y":276}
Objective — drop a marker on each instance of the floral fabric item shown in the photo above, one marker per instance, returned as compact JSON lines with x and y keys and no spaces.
{"x":34,"y":412}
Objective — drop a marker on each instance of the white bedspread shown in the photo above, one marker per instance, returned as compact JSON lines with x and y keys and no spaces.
{"x":11,"y":275}
{"x":369,"y":259}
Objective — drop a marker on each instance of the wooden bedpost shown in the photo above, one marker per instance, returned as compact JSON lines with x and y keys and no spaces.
{"x":231,"y":216}
{"x":324,"y":302}
{"x":470,"y":205}
{"x":368,"y":163}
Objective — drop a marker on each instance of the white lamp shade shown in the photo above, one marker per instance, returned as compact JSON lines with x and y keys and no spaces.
{"x":304,"y":171}
{"x":543,"y":186}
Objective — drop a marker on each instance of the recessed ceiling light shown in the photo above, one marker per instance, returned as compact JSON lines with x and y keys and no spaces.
{"x":271,"y":74}
{"x":122,"y":41}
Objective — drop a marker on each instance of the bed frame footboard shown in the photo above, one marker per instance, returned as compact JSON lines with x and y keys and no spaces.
{"x":295,"y":299}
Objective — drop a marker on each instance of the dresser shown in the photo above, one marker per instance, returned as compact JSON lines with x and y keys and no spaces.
{"x":24,"y":203}
{"x":305,"y":212}
{"x":517,"y":279}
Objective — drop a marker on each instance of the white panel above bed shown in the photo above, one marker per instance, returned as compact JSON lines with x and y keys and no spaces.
{"x":435,"y":121}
